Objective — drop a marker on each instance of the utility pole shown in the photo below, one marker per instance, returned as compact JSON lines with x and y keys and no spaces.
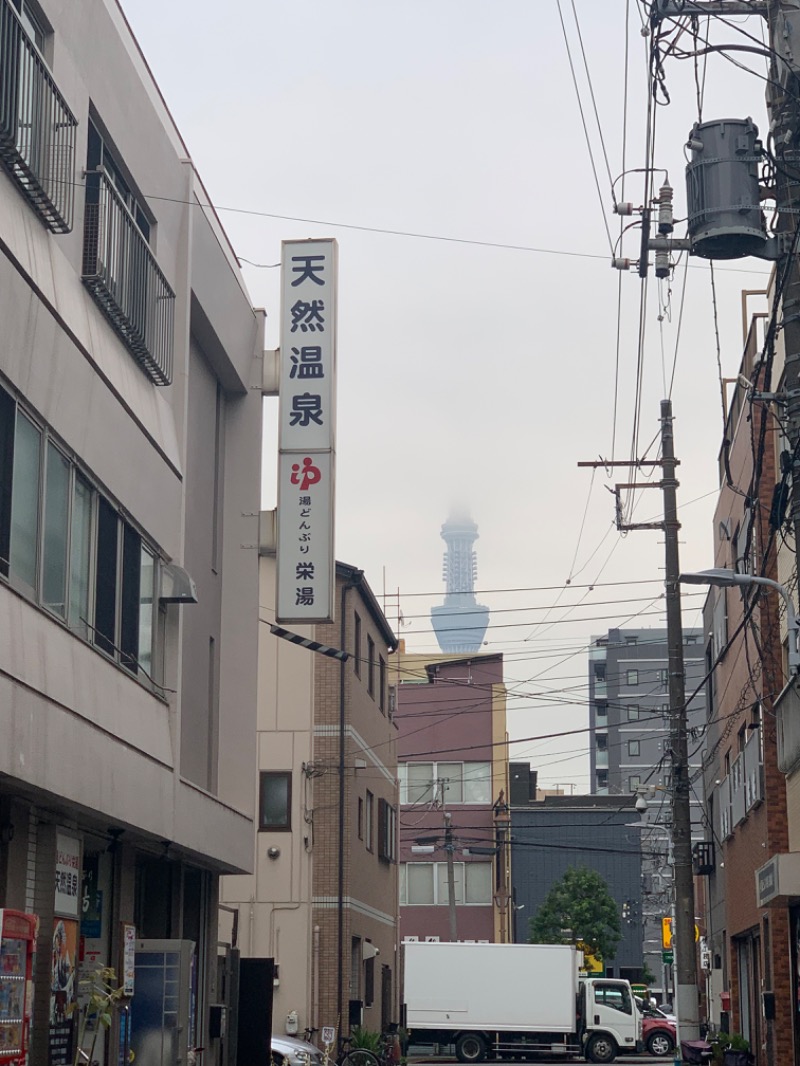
{"x":685,"y":969}
{"x":687,"y":1006}
{"x":449,"y":849}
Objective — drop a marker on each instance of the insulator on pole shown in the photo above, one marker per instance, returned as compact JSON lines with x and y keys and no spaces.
{"x":665,"y":215}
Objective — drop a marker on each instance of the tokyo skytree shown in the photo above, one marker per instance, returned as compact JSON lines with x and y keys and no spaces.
{"x":460,"y":622}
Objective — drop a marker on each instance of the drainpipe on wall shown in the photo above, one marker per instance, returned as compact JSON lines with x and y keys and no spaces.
{"x":352,"y":583}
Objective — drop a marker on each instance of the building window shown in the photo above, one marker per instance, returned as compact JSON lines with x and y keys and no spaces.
{"x":633,"y":712}
{"x":663,"y":676}
{"x":381,"y":683}
{"x":368,"y":806}
{"x":632,"y":677}
{"x":275,"y":800}
{"x":119,"y":269}
{"x":357,"y":644}
{"x":392,"y":701}
{"x":369,"y":981}
{"x":31,"y":23}
{"x":634,"y":782}
{"x":601,"y":710}
{"x":371,"y":666}
{"x":425,"y":884}
{"x":634,"y":747}
{"x":456,"y":782}
{"x":360,"y":821}
{"x":66,"y":546}
{"x":387,"y":831}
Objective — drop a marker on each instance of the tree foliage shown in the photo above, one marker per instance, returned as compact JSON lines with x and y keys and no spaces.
{"x":578,"y":907}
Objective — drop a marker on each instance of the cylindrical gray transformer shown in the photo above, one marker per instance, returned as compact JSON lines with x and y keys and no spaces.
{"x":722,"y":192}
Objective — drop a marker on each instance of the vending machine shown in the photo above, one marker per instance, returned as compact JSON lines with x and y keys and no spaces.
{"x":17,"y":945}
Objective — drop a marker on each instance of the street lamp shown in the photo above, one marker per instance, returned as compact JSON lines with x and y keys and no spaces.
{"x":724,"y":578}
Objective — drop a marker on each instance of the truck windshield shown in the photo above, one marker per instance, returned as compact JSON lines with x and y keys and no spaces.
{"x":617,"y":996}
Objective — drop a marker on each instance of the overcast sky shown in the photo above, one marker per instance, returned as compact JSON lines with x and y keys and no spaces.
{"x":428,"y":138}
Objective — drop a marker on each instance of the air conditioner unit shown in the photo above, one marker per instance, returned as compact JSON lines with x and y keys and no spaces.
{"x":411,"y":940}
{"x":431,"y":939}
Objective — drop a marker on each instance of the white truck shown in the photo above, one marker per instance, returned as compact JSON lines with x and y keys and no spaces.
{"x":516,"y":999}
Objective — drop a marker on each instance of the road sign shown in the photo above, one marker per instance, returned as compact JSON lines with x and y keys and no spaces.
{"x":668,"y":957}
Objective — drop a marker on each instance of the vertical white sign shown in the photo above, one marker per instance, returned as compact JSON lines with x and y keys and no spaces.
{"x":307,"y":433}
{"x":68,"y":875}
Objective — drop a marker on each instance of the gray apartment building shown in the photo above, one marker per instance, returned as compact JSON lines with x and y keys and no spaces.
{"x":130,"y":449}
{"x":552,"y":834}
{"x":629,"y":719}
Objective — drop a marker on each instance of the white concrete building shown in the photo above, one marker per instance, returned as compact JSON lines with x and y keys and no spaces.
{"x":130,"y":444}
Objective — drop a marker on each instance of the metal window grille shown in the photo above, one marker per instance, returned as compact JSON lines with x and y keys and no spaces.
{"x":126,"y":281}
{"x":37,"y":128}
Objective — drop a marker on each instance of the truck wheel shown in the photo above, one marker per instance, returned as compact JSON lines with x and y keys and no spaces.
{"x":470,"y":1047}
{"x":660,"y":1043}
{"x":601,"y":1048}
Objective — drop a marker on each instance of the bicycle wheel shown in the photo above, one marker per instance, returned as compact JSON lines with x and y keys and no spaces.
{"x":359,"y":1056}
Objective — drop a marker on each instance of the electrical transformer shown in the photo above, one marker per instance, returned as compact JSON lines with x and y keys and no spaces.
{"x":722,"y":192}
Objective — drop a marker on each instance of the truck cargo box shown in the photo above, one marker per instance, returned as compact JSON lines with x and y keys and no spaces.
{"x":500,"y":987}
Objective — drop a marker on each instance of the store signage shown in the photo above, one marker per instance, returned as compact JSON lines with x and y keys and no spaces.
{"x":128,"y":958}
{"x":778,"y":877}
{"x":68,"y":875}
{"x":307,"y":433}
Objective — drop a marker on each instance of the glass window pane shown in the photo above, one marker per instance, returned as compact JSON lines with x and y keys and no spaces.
{"x":276,"y":795}
{"x":80,"y":555}
{"x":477,"y":782}
{"x":420,"y":782}
{"x":443,"y":894}
{"x":105,"y":595}
{"x":479,"y":882}
{"x":131,"y":585}
{"x":450,"y":776}
{"x":419,"y":876}
{"x":402,"y":878}
{"x":56,"y":519}
{"x":146,"y":603}
{"x":25,"y":501}
{"x":8,"y":417}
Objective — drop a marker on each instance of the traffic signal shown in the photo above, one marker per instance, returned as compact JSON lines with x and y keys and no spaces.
{"x":666,"y":933}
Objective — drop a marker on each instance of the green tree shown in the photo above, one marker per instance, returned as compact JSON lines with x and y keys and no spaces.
{"x":578,"y":907}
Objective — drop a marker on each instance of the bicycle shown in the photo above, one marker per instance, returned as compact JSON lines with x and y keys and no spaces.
{"x":348,"y":1055}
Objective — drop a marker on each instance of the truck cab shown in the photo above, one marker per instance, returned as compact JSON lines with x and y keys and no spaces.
{"x":610,"y":1019}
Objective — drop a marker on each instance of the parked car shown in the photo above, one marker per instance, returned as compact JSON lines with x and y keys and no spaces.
{"x":658,"y":1033}
{"x":289,"y":1051}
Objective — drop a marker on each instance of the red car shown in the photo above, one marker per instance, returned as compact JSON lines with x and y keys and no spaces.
{"x":658,"y":1032}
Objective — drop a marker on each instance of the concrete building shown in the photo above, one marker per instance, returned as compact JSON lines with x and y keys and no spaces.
{"x":130,"y":443}
{"x":629,"y":719}
{"x":551,"y":835}
{"x":751,"y":977}
{"x":460,"y":622}
{"x":322,"y":901}
{"x":453,"y":761}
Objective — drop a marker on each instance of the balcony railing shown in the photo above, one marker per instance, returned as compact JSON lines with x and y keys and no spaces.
{"x":123,"y":276}
{"x":37,"y":129}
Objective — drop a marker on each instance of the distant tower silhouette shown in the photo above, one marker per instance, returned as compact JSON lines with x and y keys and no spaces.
{"x":460,"y":623}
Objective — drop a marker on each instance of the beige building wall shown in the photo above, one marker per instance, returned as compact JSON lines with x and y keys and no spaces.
{"x":289,"y":908}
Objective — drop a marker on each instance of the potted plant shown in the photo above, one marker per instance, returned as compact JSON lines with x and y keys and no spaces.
{"x":101,"y":998}
{"x":731,"y":1049}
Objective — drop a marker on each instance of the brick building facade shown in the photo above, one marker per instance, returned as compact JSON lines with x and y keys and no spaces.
{"x":750,"y":963}
{"x":323,"y":900}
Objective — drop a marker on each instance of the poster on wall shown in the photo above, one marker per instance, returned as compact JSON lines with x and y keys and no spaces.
{"x":63,"y":990}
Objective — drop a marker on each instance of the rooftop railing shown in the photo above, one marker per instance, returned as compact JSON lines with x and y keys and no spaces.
{"x":125,"y":280}
{"x":37,"y":128}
